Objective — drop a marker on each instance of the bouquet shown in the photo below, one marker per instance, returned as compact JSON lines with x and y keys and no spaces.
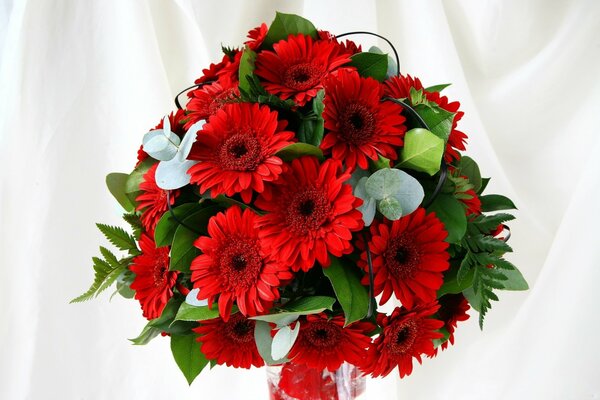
{"x":306,"y":184}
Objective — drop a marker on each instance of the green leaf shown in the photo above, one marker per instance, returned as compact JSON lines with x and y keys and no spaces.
{"x":370,"y":65}
{"x":166,"y":227}
{"x":187,"y":355}
{"x":105,"y":273}
{"x":489,"y":223}
{"x":437,"y":88}
{"x":351,"y":294}
{"x":390,"y":207}
{"x":452,"y":285}
{"x":422,"y":151}
{"x":311,"y":127}
{"x":442,"y":340}
{"x":452,"y":213}
{"x":147,"y":334}
{"x":484,"y":183}
{"x":246,"y":68}
{"x":515,"y":280}
{"x":489,"y":244}
{"x":183,"y":250}
{"x":158,"y":325}
{"x":136,"y":224}
{"x":116,"y":183}
{"x":188,"y":312}
{"x":496,"y":202}
{"x":288,"y":24}
{"x":297,"y":150}
{"x":283,"y":341}
{"x":438,"y":120}
{"x":469,"y":168}
{"x":118,"y":237}
{"x":137,"y":176}
{"x":292,"y":310}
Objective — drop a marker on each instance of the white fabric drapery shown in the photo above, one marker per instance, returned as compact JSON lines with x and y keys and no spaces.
{"x":82,"y":81}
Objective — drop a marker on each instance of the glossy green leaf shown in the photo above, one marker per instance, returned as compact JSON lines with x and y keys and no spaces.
{"x":422,"y":151}
{"x":297,"y":150}
{"x":137,"y":176}
{"x":452,"y":285}
{"x":515,"y":280}
{"x":437,"y":88}
{"x":291,"y":311}
{"x":351,"y":294}
{"x":166,"y":227}
{"x":496,"y":202}
{"x":288,"y":24}
{"x":438,"y":120}
{"x":311,"y":128}
{"x":452,"y":213}
{"x":370,"y":65}
{"x":116,"y":183}
{"x":469,"y":168}
{"x":187,"y":355}
{"x":246,"y":68}
{"x":183,"y":250}
{"x":188,"y":312}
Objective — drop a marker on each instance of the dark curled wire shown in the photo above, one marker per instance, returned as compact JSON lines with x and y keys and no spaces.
{"x":396,"y":56}
{"x":507,"y":229}
{"x":199,"y":85}
{"x":180,"y":222}
{"x":371,"y":274}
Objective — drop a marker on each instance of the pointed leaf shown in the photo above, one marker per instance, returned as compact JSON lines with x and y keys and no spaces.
{"x":371,"y":65}
{"x":422,"y":151}
{"x":288,"y":24}
{"x":187,"y":355}
{"x":496,"y":202}
{"x":452,"y":213}
{"x":283,"y":341}
{"x":351,"y":294}
{"x":116,"y":183}
{"x":297,"y":150}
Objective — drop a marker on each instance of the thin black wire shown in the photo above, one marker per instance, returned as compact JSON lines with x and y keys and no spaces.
{"x":507,"y":229}
{"x":180,"y":222}
{"x":199,"y":85}
{"x":396,"y":56}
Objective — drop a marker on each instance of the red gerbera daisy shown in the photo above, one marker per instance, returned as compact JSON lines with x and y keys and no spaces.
{"x":360,"y":125}
{"x":404,"y":334}
{"x":297,"y":66}
{"x":153,"y":282}
{"x":399,"y":87}
{"x":176,"y":122}
{"x":236,"y":265}
{"x":346,"y":47}
{"x":237,"y":148}
{"x":257,"y":36}
{"x":453,"y":308}
{"x":323,"y":342}
{"x":311,"y":213}
{"x":216,"y":71}
{"x":153,"y":200}
{"x":473,"y":203}
{"x":209,"y":99}
{"x":229,"y":342}
{"x":409,"y":256}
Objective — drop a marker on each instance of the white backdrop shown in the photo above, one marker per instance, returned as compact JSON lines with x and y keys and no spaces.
{"x":81,"y":82}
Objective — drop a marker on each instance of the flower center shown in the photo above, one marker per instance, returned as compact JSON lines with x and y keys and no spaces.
{"x":239,"y":263}
{"x":357,"y":124}
{"x":160,"y":270}
{"x":302,"y":76}
{"x":240,"y":152}
{"x":401,"y":258}
{"x":308,"y":210}
{"x":322,"y":334}
{"x":239,"y":329}
{"x":401,"y":337}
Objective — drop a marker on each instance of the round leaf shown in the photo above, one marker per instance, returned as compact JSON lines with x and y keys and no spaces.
{"x":383,"y":183}
{"x":410,"y":195}
{"x":390,"y":208}
{"x":283,"y":341}
{"x":422,"y":151}
{"x":161,"y":145}
{"x":173,"y":174}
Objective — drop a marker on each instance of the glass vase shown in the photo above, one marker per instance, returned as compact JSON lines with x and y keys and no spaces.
{"x":298,"y":382}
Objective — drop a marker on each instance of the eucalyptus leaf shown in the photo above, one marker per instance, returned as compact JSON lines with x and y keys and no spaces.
{"x":187,"y":355}
{"x":390,"y":208}
{"x":161,"y":144}
{"x":351,"y":294}
{"x":422,"y":151}
{"x":192,"y":299}
{"x":368,"y":207}
{"x":383,"y":183}
{"x":293,"y":310}
{"x":411,"y":193}
{"x":173,"y":174}
{"x":283,"y":341}
{"x":264,"y":342}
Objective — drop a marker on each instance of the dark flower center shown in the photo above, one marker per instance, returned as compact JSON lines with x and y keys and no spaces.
{"x":239,"y":329}
{"x":240,"y":152}
{"x":322,"y":334}
{"x":357,"y":124}
{"x":302,"y":76}
{"x":401,"y":258}
{"x":161,"y":268}
{"x":240,"y":263}
{"x":308,"y":210}
{"x":401,"y":337}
